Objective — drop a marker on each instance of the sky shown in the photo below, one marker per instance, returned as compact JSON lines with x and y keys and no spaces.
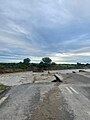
{"x":59,"y":29}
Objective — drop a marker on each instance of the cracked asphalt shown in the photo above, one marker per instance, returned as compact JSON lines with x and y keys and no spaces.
{"x":69,"y":100}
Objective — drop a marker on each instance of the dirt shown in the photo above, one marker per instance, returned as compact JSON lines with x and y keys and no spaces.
{"x":43,"y":77}
{"x":52,"y":107}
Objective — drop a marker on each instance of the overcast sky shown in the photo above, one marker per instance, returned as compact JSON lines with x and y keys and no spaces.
{"x":59,"y":29}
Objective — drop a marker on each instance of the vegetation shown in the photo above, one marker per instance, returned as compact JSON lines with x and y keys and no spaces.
{"x":46,"y":60}
{"x":2,"y":87}
{"x":45,"y":64}
{"x":26,"y":61}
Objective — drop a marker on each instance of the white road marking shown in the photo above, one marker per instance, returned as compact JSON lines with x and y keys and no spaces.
{"x":3,"y":99}
{"x":74,"y":90}
{"x":69,"y":90}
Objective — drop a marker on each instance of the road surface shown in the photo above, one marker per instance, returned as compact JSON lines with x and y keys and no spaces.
{"x":69,"y":100}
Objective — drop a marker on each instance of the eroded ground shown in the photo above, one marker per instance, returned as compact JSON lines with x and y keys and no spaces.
{"x":34,"y":97}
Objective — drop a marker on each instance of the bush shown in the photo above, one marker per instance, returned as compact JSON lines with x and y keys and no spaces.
{"x":2,"y":87}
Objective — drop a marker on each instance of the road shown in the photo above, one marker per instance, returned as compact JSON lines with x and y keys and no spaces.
{"x":69,"y":100}
{"x":76,"y":92}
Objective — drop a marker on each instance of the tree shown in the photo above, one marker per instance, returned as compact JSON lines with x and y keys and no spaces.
{"x":45,"y":63}
{"x":53,"y":64}
{"x":26,"y":61}
{"x":41,"y":66}
{"x":46,"y":60}
{"x":79,"y":63}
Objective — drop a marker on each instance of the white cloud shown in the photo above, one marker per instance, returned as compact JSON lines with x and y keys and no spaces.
{"x":17,"y":28}
{"x":41,"y":28}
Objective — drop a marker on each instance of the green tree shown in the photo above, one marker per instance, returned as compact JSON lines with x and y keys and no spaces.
{"x":46,"y":60}
{"x":45,"y":63}
{"x":26,"y":61}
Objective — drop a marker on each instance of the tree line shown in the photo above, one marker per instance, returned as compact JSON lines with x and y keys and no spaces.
{"x":45,"y":64}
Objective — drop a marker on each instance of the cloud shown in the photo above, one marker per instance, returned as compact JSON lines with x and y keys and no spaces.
{"x":45,"y":28}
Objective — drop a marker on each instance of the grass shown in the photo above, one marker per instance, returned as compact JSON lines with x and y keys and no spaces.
{"x":2,"y":87}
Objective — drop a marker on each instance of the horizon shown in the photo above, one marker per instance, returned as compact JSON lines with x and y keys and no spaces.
{"x":35,"y":29}
{"x":73,"y":63}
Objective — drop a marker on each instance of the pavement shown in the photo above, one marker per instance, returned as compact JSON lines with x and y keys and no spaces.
{"x":69,"y":100}
{"x":77,"y":95}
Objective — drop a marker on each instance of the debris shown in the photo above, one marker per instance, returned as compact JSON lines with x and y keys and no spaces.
{"x":58,"y":78}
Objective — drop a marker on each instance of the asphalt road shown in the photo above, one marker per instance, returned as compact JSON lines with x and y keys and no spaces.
{"x":69,"y":100}
{"x":76,"y":91}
